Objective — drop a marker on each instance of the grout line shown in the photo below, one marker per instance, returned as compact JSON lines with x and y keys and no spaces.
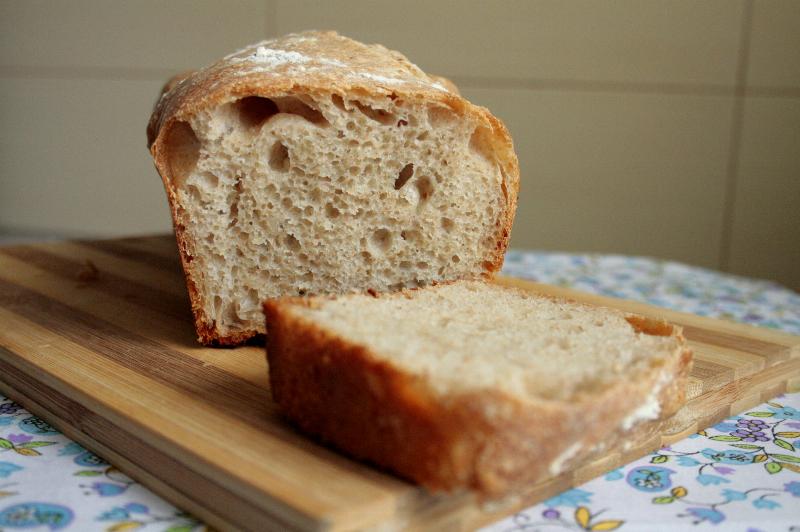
{"x":473,"y":82}
{"x":701,"y":89}
{"x":772,"y":92}
{"x":464,"y":82}
{"x":88,"y":72}
{"x":732,"y":171}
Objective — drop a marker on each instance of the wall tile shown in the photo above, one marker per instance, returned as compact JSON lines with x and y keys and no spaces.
{"x":627,"y":40}
{"x":766,"y":224}
{"x":775,"y":44}
{"x":621,"y":173}
{"x":175,"y":35}
{"x":75,"y":160}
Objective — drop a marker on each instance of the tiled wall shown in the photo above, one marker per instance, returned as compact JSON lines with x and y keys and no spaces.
{"x":663,"y":128}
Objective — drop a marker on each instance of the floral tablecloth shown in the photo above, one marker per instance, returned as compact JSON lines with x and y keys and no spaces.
{"x":742,"y":474}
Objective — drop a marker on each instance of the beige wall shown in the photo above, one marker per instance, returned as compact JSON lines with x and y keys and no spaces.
{"x":662,"y":128}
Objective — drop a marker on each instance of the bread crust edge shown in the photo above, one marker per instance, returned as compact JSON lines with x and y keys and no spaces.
{"x":190,"y":92}
{"x":488,"y":442}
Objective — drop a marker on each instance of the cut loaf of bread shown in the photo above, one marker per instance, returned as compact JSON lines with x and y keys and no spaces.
{"x":469,"y":384}
{"x":316,"y":164}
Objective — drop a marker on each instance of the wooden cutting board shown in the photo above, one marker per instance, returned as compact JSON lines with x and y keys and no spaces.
{"x":96,"y":338}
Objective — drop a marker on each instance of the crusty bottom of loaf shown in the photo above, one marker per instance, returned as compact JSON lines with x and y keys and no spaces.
{"x":487,"y":442}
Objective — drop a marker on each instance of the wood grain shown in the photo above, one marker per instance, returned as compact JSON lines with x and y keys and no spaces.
{"x":111,"y":360}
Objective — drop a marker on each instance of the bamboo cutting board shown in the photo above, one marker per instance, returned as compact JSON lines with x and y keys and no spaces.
{"x":96,"y":338}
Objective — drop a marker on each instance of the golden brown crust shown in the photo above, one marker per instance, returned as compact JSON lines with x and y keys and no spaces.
{"x":312,"y":63}
{"x":488,"y":442}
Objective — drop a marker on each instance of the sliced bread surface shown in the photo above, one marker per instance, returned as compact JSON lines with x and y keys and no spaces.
{"x":469,"y":384}
{"x":313,"y":163}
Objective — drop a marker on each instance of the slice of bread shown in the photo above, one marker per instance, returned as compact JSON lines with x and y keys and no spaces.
{"x":316,"y":164}
{"x":469,"y":384}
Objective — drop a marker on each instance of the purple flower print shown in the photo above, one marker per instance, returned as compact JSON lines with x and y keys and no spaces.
{"x":19,"y":438}
{"x":9,"y":408}
{"x":551,"y":513}
{"x":751,"y":424}
{"x":746,"y":435}
{"x":751,"y":430}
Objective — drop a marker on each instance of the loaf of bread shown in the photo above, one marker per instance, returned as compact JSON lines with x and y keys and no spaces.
{"x":314,"y":164}
{"x":469,"y":384}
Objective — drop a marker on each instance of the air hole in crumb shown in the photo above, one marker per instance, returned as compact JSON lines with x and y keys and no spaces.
{"x":296,"y":106}
{"x":401,"y":123}
{"x":255,"y":110}
{"x":279,"y":157}
{"x":423,"y":136}
{"x":292,"y":242}
{"x":447,"y":224}
{"x":481,"y":141}
{"x":183,"y":149}
{"x":217,"y":305}
{"x":404,"y":176}
{"x":381,"y":239}
{"x":456,"y":259}
{"x":251,"y":300}
{"x":378,"y":115}
{"x":439,"y":116}
{"x":194,"y":192}
{"x":207,"y":180}
{"x":488,"y":266}
{"x":410,"y":235}
{"x":287,"y":202}
{"x":422,"y":265}
{"x":308,"y":211}
{"x":301,"y":292}
{"x":331,"y":211}
{"x":405,"y":265}
{"x":366,"y":256}
{"x":424,"y":187}
{"x":338,"y":101}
